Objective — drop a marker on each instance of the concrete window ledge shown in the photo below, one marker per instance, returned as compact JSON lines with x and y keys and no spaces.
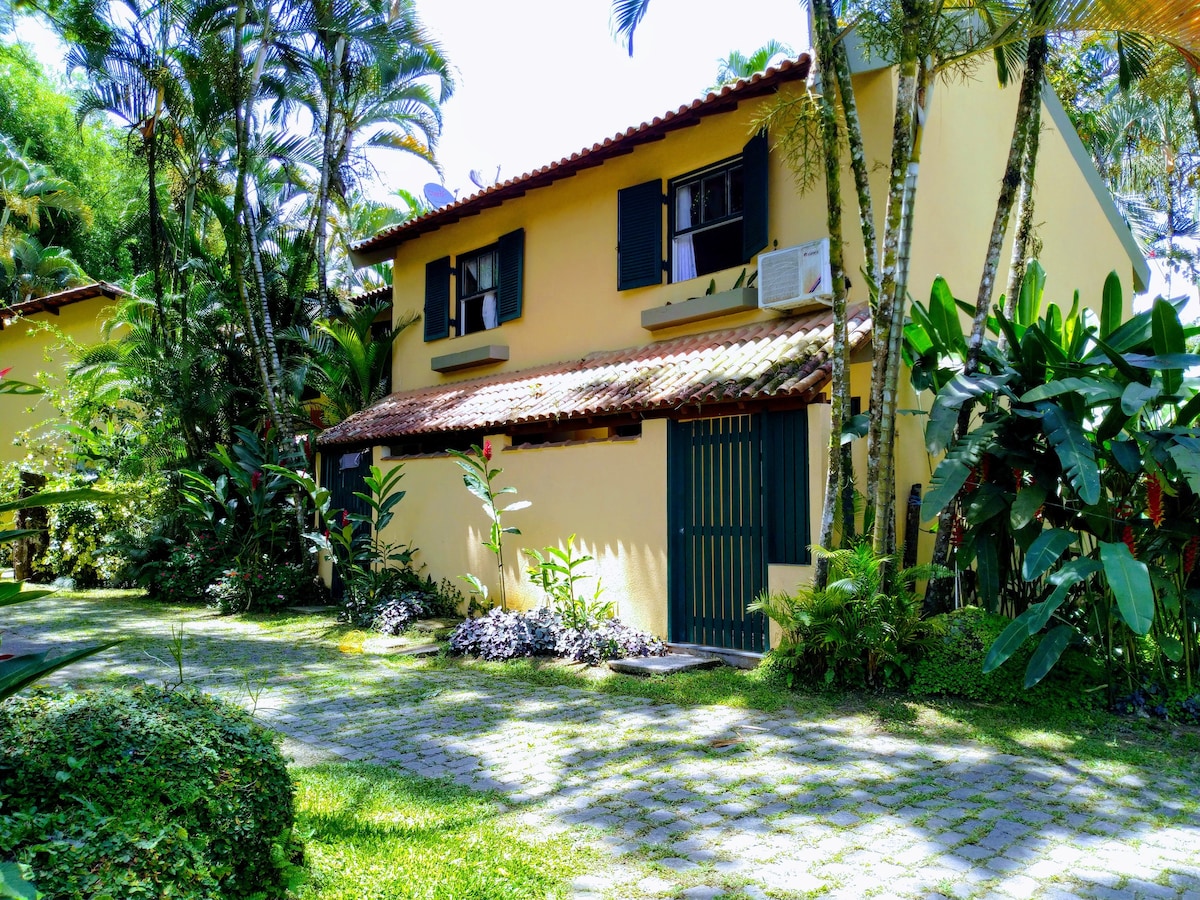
{"x":465,"y":359}
{"x":707,"y":307}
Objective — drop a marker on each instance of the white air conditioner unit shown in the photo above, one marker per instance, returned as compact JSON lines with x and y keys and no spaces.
{"x":795,"y":278}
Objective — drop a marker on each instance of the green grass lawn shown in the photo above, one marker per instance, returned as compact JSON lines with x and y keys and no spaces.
{"x":372,"y":834}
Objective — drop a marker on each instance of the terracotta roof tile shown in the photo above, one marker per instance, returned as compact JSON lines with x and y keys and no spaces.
{"x":780,"y":358}
{"x":758,"y":85}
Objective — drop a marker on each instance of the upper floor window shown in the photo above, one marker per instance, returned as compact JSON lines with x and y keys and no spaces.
{"x":716,"y":219}
{"x":706,"y":228}
{"x":488,"y":292}
{"x":478,"y":275}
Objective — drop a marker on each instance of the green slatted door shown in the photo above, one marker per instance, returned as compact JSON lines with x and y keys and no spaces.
{"x":717,"y":561}
{"x":342,"y":475}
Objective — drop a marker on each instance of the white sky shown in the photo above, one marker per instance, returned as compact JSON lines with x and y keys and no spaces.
{"x":540,"y":79}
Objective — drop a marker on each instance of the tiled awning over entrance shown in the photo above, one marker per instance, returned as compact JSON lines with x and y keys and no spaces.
{"x":783,"y":358}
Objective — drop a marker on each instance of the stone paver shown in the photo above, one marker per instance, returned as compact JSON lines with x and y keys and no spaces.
{"x":802,"y":805}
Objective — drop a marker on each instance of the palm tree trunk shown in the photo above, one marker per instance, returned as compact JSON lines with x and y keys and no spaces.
{"x":830,"y":148}
{"x":883,"y":401}
{"x":1023,"y":242}
{"x":319,"y":236}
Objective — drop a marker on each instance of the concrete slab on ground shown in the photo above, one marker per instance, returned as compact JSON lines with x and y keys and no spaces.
{"x":662,"y":665}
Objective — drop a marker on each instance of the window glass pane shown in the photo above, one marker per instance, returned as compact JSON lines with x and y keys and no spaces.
{"x":735,"y":190}
{"x":714,"y":197}
{"x":470,"y":280}
{"x":487,"y":272}
{"x":695,"y":189}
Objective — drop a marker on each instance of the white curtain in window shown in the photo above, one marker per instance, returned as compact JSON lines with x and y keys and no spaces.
{"x":490,"y":316}
{"x":684,"y":257}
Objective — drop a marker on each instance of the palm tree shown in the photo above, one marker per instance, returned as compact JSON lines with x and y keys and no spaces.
{"x":349,"y":361}
{"x":27,"y":189}
{"x":737,"y":66}
{"x":28,"y":270}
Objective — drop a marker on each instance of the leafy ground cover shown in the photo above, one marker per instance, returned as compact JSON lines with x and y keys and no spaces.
{"x":372,"y":832}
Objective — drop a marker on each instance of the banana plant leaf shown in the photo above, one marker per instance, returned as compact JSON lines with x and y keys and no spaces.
{"x":1047,"y":653}
{"x":19,"y":672}
{"x":1129,"y":580}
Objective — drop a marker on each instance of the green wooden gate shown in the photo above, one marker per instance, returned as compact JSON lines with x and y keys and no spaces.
{"x":717,"y":553}
{"x":342,"y":475}
{"x":738,"y":500}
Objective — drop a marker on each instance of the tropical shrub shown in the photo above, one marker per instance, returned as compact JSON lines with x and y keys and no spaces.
{"x":952,"y":665}
{"x":863,"y":630}
{"x":558,"y":573}
{"x":480,"y":479}
{"x":263,"y":585}
{"x":143,"y":793}
{"x":1077,"y":492}
{"x":397,"y":615}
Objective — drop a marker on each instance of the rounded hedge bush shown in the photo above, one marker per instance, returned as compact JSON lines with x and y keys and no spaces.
{"x":143,"y":792}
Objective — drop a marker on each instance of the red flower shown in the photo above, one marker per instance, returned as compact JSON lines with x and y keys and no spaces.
{"x":1127,"y":537}
{"x":255,"y":481}
{"x":1154,"y":500}
{"x":4,"y":372}
{"x":345,"y":518}
{"x":487,"y":451}
{"x":1190,"y":553}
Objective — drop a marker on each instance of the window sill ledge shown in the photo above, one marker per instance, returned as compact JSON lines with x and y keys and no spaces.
{"x":707,"y":307}
{"x":466,"y":359}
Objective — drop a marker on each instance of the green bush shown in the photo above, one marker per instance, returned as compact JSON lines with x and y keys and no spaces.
{"x":143,"y":793}
{"x":953,"y":662}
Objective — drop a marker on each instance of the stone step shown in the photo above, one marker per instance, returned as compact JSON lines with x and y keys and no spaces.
{"x":663,"y":665}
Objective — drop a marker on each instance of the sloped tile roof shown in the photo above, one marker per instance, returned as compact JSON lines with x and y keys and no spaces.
{"x":54,"y":302}
{"x":727,"y":98}
{"x":781,"y":358}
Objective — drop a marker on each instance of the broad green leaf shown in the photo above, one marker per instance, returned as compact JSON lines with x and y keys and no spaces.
{"x":1092,"y":389}
{"x":1025,"y":505}
{"x":1129,"y":580}
{"x":1067,"y":576}
{"x":986,"y":503}
{"x":943,"y":314}
{"x":54,"y":498}
{"x":520,"y":504}
{"x":1127,"y":455}
{"x":1187,"y":460}
{"x":855,"y":427}
{"x":1171,"y":647}
{"x":944,"y":414}
{"x":13,"y":886}
{"x":1045,"y":552}
{"x":11,"y":592}
{"x":1167,"y":338}
{"x":1111,"y":305}
{"x":1074,"y":452}
{"x":1162,"y":361}
{"x":1137,"y":395}
{"x":1010,"y":640}
{"x":1047,"y":654}
{"x":1188,"y":412}
{"x":1029,"y":303}
{"x":21,"y":671}
{"x":951,"y":473}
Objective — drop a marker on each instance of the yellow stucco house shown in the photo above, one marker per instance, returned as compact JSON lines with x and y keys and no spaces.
{"x":679,"y":433}
{"x":29,"y":349}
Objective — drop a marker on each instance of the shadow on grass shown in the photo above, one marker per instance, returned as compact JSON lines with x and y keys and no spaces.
{"x":714,"y":767}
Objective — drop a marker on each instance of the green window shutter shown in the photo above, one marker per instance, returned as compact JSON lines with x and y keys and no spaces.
{"x":437,"y":299}
{"x":785,"y":483}
{"x":754,"y":203}
{"x":511,"y":280}
{"x":639,"y":235}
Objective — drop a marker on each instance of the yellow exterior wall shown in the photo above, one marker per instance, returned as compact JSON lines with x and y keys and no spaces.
{"x":25,"y":346}
{"x":614,"y":495}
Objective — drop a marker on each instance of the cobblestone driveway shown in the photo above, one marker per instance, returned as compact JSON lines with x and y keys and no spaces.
{"x":798,"y":806}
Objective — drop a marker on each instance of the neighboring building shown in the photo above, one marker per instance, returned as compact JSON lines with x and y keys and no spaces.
{"x":29,"y":348}
{"x":679,"y":433}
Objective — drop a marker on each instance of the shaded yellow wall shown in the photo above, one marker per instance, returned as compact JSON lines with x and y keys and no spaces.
{"x":25,"y":346}
{"x":612,"y":495}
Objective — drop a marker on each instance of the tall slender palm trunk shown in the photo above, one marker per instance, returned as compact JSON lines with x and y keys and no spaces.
{"x":881,"y":436}
{"x":831,"y":151}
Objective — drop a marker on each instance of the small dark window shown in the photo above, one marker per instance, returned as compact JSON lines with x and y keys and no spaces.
{"x":478,"y":278}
